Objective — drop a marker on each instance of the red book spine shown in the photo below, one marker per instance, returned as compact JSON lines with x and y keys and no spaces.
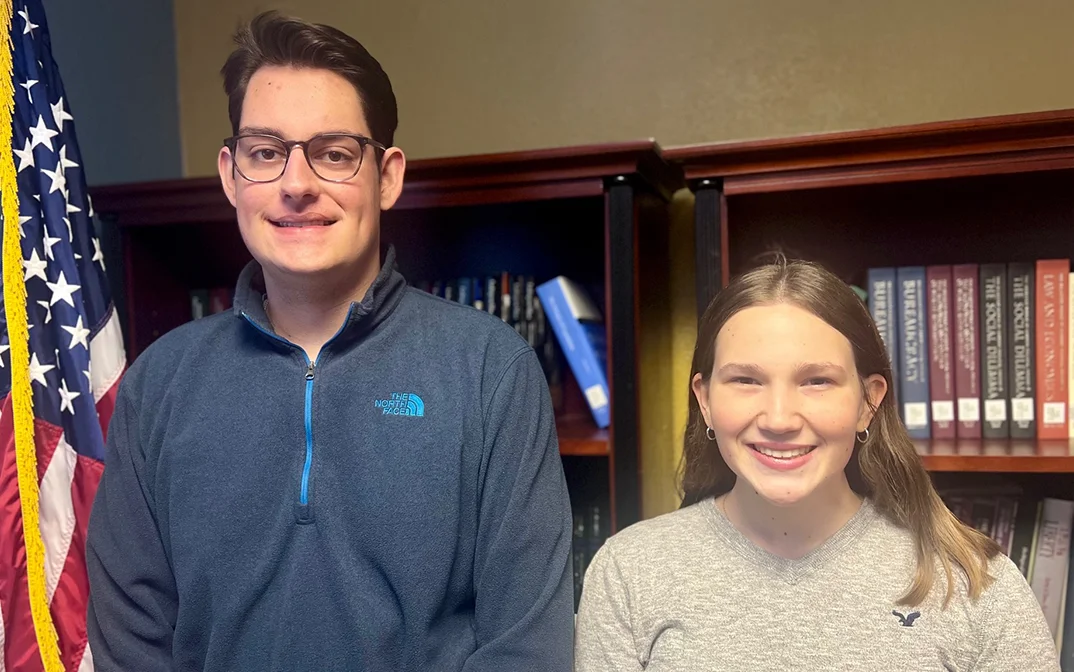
{"x":938,"y":280}
{"x":1051,"y":337}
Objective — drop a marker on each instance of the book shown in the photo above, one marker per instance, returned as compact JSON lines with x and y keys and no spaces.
{"x":941,"y":351}
{"x":1051,"y":348}
{"x":967,"y":359}
{"x":913,"y":354}
{"x":994,"y":351}
{"x":1051,"y":559}
{"x":1020,"y":363}
{"x":883,"y":306}
{"x":579,"y":329}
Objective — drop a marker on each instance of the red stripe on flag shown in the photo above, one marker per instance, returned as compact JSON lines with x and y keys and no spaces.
{"x":71,"y":598}
{"x":20,"y":640}
{"x":106,"y":405}
{"x":46,"y":438}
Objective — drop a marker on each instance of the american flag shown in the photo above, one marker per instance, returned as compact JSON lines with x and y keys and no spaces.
{"x":75,"y":361}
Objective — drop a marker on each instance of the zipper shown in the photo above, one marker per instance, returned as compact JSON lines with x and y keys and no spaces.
{"x":304,"y":514}
{"x":303,"y":498}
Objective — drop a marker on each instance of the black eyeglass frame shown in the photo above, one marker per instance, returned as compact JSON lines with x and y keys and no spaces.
{"x":289,"y":147}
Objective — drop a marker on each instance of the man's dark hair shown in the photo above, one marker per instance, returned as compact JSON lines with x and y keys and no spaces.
{"x":274,"y":39}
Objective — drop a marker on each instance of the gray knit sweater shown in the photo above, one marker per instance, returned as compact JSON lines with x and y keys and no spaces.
{"x":686,"y":592}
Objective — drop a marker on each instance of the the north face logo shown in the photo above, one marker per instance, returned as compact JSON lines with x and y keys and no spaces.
{"x":401,"y":403}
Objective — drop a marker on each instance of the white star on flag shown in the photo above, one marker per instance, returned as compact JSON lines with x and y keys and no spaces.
{"x":38,"y":371}
{"x":78,"y":334}
{"x":49,"y":243}
{"x":26,"y":156}
{"x":42,"y":134}
{"x":29,"y":25}
{"x":63,"y":291}
{"x":35,"y":267}
{"x":59,"y":182}
{"x":65,"y":162}
{"x":97,"y":254}
{"x":66,"y":397}
{"x":29,"y":92}
{"x":60,"y":115}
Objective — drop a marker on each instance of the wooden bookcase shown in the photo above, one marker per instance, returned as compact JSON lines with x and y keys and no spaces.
{"x":597,"y":214}
{"x":997,"y":189}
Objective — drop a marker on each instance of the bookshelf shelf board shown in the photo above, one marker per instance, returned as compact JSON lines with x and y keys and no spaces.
{"x":580,"y":437}
{"x":1003,"y":145}
{"x":1011,"y":455}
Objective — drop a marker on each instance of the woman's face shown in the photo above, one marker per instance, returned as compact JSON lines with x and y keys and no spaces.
{"x":785,"y":401}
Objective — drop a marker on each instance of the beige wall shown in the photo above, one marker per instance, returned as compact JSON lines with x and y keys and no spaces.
{"x":480,"y":76}
{"x":475,"y":76}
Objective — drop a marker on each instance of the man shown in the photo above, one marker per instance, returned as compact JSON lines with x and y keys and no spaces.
{"x":343,"y":473}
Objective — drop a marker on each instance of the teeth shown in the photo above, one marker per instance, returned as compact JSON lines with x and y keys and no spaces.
{"x":287,"y":224}
{"x":783,"y":454}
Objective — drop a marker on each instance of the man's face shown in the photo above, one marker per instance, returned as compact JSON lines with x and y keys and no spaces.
{"x":300,"y":225}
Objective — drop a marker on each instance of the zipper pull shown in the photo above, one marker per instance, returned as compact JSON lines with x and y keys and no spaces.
{"x":309,"y":372}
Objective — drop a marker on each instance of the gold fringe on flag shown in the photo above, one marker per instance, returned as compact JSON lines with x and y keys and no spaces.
{"x":21,"y":394}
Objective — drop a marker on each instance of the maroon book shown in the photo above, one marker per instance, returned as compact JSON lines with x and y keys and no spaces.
{"x":938,"y":281}
{"x":967,"y":355}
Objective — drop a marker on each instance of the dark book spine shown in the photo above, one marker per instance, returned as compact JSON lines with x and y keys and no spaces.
{"x":983,"y":515}
{"x":492,"y":295}
{"x":1020,"y":352}
{"x":516,"y":305}
{"x":967,"y":360}
{"x":994,"y":351}
{"x":579,"y":550}
{"x":199,"y":303}
{"x":505,"y":297}
{"x":1025,"y":529}
{"x":1006,"y":507}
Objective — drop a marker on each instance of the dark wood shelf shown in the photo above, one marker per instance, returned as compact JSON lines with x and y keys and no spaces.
{"x":1037,"y":141}
{"x":578,"y":436}
{"x":998,"y":455}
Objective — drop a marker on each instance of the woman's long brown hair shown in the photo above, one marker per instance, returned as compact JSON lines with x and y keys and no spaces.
{"x":886,"y":468}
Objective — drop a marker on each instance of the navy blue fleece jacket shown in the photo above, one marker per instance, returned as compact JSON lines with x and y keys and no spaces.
{"x":399,"y":504}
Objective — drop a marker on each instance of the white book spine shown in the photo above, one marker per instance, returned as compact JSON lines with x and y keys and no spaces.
{"x":1051,"y":563}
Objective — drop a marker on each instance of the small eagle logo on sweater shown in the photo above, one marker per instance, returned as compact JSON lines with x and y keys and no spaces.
{"x":908,"y":620}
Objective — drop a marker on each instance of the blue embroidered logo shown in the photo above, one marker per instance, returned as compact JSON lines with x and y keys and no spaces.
{"x":401,"y":403}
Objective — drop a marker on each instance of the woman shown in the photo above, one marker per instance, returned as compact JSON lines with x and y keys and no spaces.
{"x":810,"y":536}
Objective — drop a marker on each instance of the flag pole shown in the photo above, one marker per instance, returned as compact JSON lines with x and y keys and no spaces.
{"x":21,"y":394}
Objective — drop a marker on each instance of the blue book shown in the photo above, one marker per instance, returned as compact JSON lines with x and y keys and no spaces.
{"x":579,"y":328}
{"x":913,"y":351}
{"x":884,"y":307}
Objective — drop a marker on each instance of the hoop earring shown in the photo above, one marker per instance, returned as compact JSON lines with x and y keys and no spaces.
{"x":858,"y":435}
{"x":710,"y":434}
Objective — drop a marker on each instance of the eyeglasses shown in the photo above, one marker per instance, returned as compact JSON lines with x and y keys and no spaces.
{"x":335,"y":157}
